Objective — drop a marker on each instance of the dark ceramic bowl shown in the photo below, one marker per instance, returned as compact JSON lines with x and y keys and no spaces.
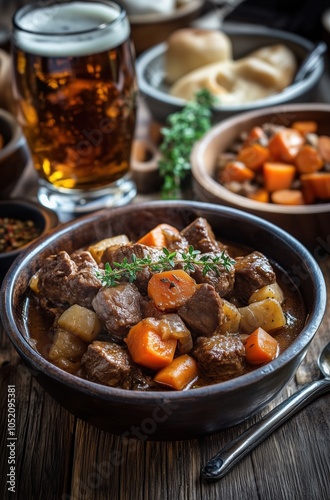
{"x":14,"y":155}
{"x":43,"y":218}
{"x":166,"y":415}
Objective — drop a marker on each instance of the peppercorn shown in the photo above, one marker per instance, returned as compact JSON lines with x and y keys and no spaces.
{"x":15,"y":233}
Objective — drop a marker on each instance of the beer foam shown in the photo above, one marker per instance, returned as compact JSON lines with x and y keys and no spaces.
{"x":63,"y":30}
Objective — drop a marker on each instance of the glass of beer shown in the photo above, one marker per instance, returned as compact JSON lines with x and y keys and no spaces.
{"x":76,"y":94}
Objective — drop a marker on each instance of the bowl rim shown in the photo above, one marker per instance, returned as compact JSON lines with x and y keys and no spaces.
{"x":134,"y":397}
{"x":291,"y":92}
{"x":49,"y":216}
{"x":184,"y":10}
{"x":218,"y":191}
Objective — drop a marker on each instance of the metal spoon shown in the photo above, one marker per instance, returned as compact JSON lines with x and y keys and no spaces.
{"x":309,"y":62}
{"x":234,"y":451}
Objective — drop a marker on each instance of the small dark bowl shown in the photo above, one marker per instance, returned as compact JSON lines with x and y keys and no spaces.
{"x":14,"y":155}
{"x":43,"y":218}
{"x":166,"y":415}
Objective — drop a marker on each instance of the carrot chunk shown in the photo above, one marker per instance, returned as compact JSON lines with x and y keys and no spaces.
{"x":260,"y":347}
{"x":235,"y":171}
{"x":324,"y":147}
{"x":285,"y":144}
{"x":261,"y":195}
{"x":305,"y":127}
{"x":255,"y":134}
{"x":317,"y":184}
{"x":178,"y":374}
{"x":288,"y":197}
{"x":157,"y":236}
{"x":171,"y":289}
{"x":253,"y":156}
{"x":278,"y":175}
{"x":146,"y":346}
{"x":308,"y":160}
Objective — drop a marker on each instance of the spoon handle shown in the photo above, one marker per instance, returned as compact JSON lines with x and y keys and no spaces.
{"x":234,"y":451}
{"x":310,"y":61}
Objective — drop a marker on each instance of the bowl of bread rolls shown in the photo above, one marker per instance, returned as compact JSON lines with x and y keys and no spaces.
{"x":245,"y":67}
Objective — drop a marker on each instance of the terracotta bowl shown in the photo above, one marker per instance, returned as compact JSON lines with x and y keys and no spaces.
{"x":245,"y":38}
{"x":308,"y":223}
{"x":149,"y":29}
{"x":14,"y":155}
{"x":43,"y":218}
{"x":166,"y":415}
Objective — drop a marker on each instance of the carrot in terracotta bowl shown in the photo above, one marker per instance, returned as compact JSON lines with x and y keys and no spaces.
{"x":273,"y":163}
{"x":274,"y":158}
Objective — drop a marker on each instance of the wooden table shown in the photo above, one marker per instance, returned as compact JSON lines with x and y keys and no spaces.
{"x":59,"y":457}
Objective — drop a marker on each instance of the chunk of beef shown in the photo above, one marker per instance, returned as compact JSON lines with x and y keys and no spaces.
{"x":175,"y":242}
{"x":112,"y":255}
{"x":53,"y":277}
{"x":119,"y":308}
{"x":222,"y":280}
{"x":220,"y":357}
{"x":82,"y":258}
{"x":62,"y":281}
{"x":203,"y":313}
{"x":83,"y":283}
{"x":109,"y":364}
{"x":200,"y":235}
{"x":149,"y":309}
{"x":251,"y":273}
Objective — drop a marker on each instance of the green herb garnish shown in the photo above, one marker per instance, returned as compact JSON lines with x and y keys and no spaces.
{"x":184,"y":128}
{"x":125,"y":270}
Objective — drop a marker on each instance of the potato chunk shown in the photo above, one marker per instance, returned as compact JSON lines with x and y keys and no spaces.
{"x":67,"y":365}
{"x":272,"y":291}
{"x":267,"y":314}
{"x":66,"y":345}
{"x":97,"y":249}
{"x":34,"y":283}
{"x":82,"y":322}
{"x":232,"y":318}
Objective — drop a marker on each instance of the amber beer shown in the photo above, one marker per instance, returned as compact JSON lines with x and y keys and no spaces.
{"x":75,"y":88}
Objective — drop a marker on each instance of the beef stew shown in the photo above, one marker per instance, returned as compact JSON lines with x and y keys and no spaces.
{"x":121,"y":336}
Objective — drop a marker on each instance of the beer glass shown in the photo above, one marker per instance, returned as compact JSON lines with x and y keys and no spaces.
{"x":75,"y":89}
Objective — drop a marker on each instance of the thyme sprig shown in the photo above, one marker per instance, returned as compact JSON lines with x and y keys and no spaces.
{"x":183,"y":129}
{"x":112,"y":275}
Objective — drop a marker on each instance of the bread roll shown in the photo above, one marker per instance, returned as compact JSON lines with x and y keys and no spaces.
{"x":189,"y":49}
{"x":249,"y":79}
{"x":218,"y":78}
{"x":281,"y":58}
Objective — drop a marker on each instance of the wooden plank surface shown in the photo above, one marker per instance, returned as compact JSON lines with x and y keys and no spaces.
{"x":59,"y":457}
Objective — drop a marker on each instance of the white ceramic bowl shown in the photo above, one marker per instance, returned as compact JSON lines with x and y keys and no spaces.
{"x":308,"y":223}
{"x":245,"y":38}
